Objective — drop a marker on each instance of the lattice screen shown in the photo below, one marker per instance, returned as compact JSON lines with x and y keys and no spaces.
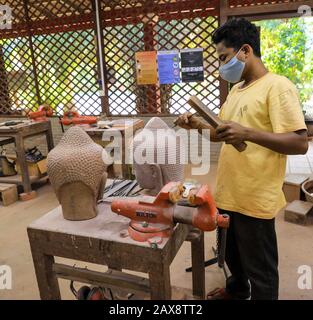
{"x":16,"y":76}
{"x":17,"y":80}
{"x":67,"y":71}
{"x":55,"y":61}
{"x":120,"y":43}
{"x":157,"y":25}
{"x":50,"y":56}
{"x":192,"y":33}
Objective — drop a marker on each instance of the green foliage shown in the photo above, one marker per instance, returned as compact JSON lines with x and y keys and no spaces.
{"x":66,"y":68}
{"x":287,"y":50}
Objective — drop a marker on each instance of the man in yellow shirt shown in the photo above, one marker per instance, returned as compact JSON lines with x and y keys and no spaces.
{"x":263,"y":110}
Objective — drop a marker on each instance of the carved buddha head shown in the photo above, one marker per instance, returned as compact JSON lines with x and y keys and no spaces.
{"x":77,"y":174}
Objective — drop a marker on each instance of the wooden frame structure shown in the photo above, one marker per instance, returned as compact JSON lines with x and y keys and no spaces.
{"x":32,"y":18}
{"x":52,"y":236}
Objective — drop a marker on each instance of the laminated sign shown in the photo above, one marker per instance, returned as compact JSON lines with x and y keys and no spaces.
{"x":146,"y":67}
{"x":168,"y":67}
{"x":192,"y":65}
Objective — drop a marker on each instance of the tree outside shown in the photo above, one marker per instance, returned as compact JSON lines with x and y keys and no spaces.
{"x":287,"y":49}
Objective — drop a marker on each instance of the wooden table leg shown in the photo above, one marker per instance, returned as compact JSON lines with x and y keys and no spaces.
{"x":47,"y":281}
{"x":160,"y":283}
{"x":124,"y":166}
{"x":198,"y":269}
{"x":49,"y":138}
{"x":20,"y":151}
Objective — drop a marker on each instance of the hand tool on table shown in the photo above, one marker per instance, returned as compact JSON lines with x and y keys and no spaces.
{"x":154,"y":218}
{"x":211,"y":118}
{"x":10,"y":123}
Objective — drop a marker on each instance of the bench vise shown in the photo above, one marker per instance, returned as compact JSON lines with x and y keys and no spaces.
{"x":155,"y":219}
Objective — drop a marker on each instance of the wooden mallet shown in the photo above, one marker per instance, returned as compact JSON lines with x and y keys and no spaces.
{"x":211,"y":117}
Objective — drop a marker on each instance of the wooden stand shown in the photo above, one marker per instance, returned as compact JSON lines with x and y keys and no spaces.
{"x":8,"y":193}
{"x":19,"y":133}
{"x":299,"y":212}
{"x":292,"y":187}
{"x":99,"y":241}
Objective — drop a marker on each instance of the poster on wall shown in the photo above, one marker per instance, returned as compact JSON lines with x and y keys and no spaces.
{"x":168,"y":67}
{"x":146,"y":67}
{"x":192,"y":65}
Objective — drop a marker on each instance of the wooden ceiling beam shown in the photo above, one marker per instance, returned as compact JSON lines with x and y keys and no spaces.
{"x":44,"y":11}
{"x":267,"y":9}
{"x":71,"y":4}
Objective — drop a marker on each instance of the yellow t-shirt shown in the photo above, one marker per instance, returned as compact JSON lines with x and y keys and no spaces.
{"x":251,"y":182}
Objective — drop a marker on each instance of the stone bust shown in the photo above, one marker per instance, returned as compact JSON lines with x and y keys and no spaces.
{"x":157,"y":156}
{"x":77,"y":174}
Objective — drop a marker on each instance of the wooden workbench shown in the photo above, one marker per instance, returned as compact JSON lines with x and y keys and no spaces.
{"x":99,"y":241}
{"x":127,"y":128}
{"x":19,"y":133}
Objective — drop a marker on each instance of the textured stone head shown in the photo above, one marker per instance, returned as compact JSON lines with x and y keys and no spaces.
{"x":157,"y":156}
{"x":77,"y":174}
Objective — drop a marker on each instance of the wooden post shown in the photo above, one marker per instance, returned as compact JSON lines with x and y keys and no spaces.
{"x":151,"y":100}
{"x":160,"y":283}
{"x":49,"y":137}
{"x":223,"y":84}
{"x":5,"y":101}
{"x":102,"y":69}
{"x":46,"y":278}
{"x":198,"y":269}
{"x":20,"y":152}
{"x":32,"y":51}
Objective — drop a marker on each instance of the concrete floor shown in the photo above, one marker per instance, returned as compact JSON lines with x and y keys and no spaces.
{"x":302,"y":164}
{"x":295,"y":249}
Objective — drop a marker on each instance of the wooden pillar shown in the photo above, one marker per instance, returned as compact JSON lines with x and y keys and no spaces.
{"x":5,"y":101}
{"x":32,"y":50}
{"x":102,"y":71}
{"x":149,"y":101}
{"x":222,"y":19}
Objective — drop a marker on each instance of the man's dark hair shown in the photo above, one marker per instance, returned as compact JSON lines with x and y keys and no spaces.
{"x":236,"y":32}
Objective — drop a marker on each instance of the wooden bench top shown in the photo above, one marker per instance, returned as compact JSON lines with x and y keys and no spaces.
{"x":106,"y":226}
{"x":26,"y":128}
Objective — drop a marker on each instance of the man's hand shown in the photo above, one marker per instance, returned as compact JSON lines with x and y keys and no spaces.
{"x":188,"y":121}
{"x":283,"y":143}
{"x":232,"y":133}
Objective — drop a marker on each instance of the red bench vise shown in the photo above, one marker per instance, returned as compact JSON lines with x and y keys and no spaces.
{"x":155,"y":219}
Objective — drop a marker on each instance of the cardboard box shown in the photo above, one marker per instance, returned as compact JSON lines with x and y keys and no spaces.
{"x":35,"y":169}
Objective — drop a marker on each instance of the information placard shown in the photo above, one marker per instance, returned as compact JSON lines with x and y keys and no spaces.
{"x":192,"y":65}
{"x":168,"y":67}
{"x":146,"y":67}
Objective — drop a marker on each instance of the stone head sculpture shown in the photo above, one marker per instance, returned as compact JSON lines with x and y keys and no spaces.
{"x":158,"y":158}
{"x":77,"y":174}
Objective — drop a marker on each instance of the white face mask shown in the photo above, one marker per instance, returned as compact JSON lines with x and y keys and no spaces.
{"x":232,"y":70}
